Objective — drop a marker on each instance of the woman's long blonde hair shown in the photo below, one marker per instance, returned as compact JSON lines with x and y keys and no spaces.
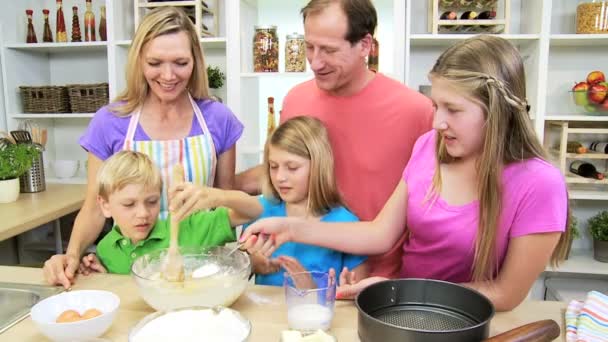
{"x":158,"y":22}
{"x":306,"y":137}
{"x":490,"y":70}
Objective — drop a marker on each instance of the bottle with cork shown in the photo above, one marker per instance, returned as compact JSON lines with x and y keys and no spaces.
{"x":60,"y":32}
{"x":89,"y":23}
{"x":31,"y":34}
{"x":271,"y":125}
{"x":47,"y":37}
{"x":374,"y":55}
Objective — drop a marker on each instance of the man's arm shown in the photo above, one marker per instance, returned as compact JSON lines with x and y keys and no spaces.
{"x":250,"y":181}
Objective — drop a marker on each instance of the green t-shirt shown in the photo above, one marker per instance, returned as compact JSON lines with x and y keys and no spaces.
{"x":202,"y":229}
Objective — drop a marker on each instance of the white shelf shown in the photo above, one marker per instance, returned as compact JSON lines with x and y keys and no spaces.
{"x":209,"y":42}
{"x":445,"y":39}
{"x":277,"y":74}
{"x":51,"y":115}
{"x":593,"y":195}
{"x":574,"y":179}
{"x":73,"y":180}
{"x":582,"y":262}
{"x":578,"y":39}
{"x":574,"y":117}
{"x":59,"y":47}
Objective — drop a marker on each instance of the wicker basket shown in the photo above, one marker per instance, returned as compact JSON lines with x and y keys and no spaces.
{"x":45,"y":99}
{"x":87,"y":98}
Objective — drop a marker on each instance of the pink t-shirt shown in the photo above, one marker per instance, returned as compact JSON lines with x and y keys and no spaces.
{"x":372,"y":134}
{"x":442,"y":240}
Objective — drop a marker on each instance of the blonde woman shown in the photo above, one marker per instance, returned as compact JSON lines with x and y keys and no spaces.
{"x":165,"y":113}
{"x":481,"y":203}
{"x":298,"y":182}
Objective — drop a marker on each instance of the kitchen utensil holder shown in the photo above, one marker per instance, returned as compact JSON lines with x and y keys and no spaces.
{"x":33,"y":180}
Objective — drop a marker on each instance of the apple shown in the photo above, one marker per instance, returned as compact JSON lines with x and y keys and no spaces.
{"x":604,"y":106}
{"x":579,"y":92}
{"x":595,"y":77}
{"x":597,"y":93}
{"x":590,"y":108}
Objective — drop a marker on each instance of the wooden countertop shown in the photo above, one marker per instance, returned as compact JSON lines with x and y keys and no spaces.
{"x":264,"y":306}
{"x":35,"y":209}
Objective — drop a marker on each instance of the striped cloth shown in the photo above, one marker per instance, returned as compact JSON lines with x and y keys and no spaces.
{"x":588,"y":321}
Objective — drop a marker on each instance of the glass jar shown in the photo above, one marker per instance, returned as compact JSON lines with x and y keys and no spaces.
{"x":592,"y":17}
{"x":295,"y":57}
{"x":265,"y":49}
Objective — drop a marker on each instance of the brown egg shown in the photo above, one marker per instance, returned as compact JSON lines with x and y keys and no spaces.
{"x":69,"y":316}
{"x":91,"y":313}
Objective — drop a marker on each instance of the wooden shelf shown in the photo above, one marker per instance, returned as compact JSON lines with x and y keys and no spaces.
{"x":442,"y":40}
{"x":59,"y":47}
{"x":574,"y":179}
{"x":592,"y":195}
{"x":578,"y":39}
{"x":581,"y":261}
{"x":52,"y":115}
{"x":208,"y":42}
{"x":574,"y":117}
{"x":588,"y":155}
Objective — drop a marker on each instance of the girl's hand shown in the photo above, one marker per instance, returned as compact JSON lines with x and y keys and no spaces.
{"x":90,"y":263}
{"x":276,"y":228}
{"x":187,"y":198}
{"x":293,"y":266}
{"x":350,"y":287}
{"x":260,"y":251}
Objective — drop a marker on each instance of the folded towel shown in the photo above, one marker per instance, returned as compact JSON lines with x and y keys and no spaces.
{"x":588,"y":321}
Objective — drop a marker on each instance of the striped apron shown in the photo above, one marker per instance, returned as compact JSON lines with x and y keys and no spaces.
{"x":196,"y":154}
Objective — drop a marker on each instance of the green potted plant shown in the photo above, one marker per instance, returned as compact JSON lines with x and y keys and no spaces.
{"x":216,"y":80}
{"x":15,"y":160}
{"x":574,"y":235}
{"x":598,"y":227}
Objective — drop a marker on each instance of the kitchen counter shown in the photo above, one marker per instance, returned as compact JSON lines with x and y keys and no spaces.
{"x":35,"y":209}
{"x":263,"y":305}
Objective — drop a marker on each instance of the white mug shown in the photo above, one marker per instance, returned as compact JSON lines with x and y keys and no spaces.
{"x":65,"y":168}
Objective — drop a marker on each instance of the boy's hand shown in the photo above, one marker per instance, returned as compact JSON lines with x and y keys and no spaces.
{"x":90,"y":263}
{"x":187,"y":198}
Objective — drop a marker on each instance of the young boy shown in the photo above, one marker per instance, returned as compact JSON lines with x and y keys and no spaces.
{"x":129,"y":190}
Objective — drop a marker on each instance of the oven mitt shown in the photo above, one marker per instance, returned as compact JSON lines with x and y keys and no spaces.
{"x":591,"y":319}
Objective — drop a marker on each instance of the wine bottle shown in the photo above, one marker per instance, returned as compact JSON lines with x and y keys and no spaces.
{"x":373,"y":56}
{"x":468,"y":15}
{"x":575,"y":147}
{"x":448,"y":15}
{"x":597,"y":146}
{"x":585,"y":169}
{"x":487,"y":15}
{"x":271,"y":125}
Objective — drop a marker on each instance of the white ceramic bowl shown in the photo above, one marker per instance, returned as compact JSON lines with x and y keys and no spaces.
{"x":65,"y":168}
{"x":45,"y":313}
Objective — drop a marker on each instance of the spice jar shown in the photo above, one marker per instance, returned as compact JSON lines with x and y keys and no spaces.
{"x":592,"y":17}
{"x":295,"y":58}
{"x":265,"y":49}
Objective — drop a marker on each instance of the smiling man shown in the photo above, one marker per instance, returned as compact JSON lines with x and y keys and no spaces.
{"x":372,"y":120}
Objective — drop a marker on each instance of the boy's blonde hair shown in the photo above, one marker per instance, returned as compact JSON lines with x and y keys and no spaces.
{"x":306,"y":137}
{"x":490,"y":71}
{"x":124,"y":168}
{"x":158,"y":22}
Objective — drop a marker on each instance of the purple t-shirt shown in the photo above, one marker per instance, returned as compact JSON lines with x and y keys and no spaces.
{"x":106,"y":132}
{"x":442,"y":240}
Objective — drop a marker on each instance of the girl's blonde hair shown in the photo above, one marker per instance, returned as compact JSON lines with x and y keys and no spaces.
{"x":124,"y":168}
{"x":306,"y":137}
{"x":158,"y":22}
{"x":490,"y":70}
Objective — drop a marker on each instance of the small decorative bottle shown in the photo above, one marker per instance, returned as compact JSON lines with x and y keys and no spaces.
{"x":89,"y":23}
{"x":372,"y":58}
{"x":31,"y":34}
{"x":271,"y":125}
{"x":76,"y":34}
{"x":103,"y":34}
{"x":61,"y":34}
{"x":48,"y":35}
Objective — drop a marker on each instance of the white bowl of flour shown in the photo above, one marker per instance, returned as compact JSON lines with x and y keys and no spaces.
{"x":192,"y":325}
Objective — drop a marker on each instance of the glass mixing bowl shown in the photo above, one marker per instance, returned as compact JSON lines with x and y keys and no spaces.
{"x":222,"y":285}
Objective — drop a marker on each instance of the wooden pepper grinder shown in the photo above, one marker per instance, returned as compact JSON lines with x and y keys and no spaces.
{"x":61,"y":34}
{"x":31,"y":34}
{"x":76,"y":34}
{"x":47,"y":37}
{"x":103,"y":34}
{"x":89,"y":23}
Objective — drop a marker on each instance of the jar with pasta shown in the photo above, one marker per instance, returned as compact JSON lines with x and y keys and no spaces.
{"x":295,"y":53}
{"x":592,"y":17}
{"x":265,"y":49}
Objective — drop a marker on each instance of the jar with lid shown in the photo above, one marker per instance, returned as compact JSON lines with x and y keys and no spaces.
{"x":295,"y":57}
{"x":265,"y":49}
{"x":592,"y":17}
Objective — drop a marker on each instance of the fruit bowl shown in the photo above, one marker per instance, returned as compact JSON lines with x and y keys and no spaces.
{"x":581,"y":99}
{"x":591,"y":95}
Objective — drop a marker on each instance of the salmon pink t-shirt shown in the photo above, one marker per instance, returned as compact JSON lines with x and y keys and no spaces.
{"x":372,"y":134}
{"x":442,"y":236}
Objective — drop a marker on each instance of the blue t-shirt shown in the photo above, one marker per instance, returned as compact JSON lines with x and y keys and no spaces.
{"x":313,"y":258}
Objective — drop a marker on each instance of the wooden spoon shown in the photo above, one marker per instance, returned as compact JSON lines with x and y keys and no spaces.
{"x":173,"y":266}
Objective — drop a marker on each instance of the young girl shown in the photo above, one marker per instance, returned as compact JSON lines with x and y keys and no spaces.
{"x":299,"y":183}
{"x":481,"y":203}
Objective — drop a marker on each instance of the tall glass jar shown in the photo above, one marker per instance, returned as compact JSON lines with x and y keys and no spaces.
{"x":592,"y":17}
{"x":265,"y":49}
{"x":295,"y":57}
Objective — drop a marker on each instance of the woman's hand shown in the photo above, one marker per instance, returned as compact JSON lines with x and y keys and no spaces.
{"x":188,"y":198}
{"x":91,"y":264}
{"x":275,"y":229}
{"x":61,"y":269}
{"x":350,"y":287}
{"x":260,"y":251}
